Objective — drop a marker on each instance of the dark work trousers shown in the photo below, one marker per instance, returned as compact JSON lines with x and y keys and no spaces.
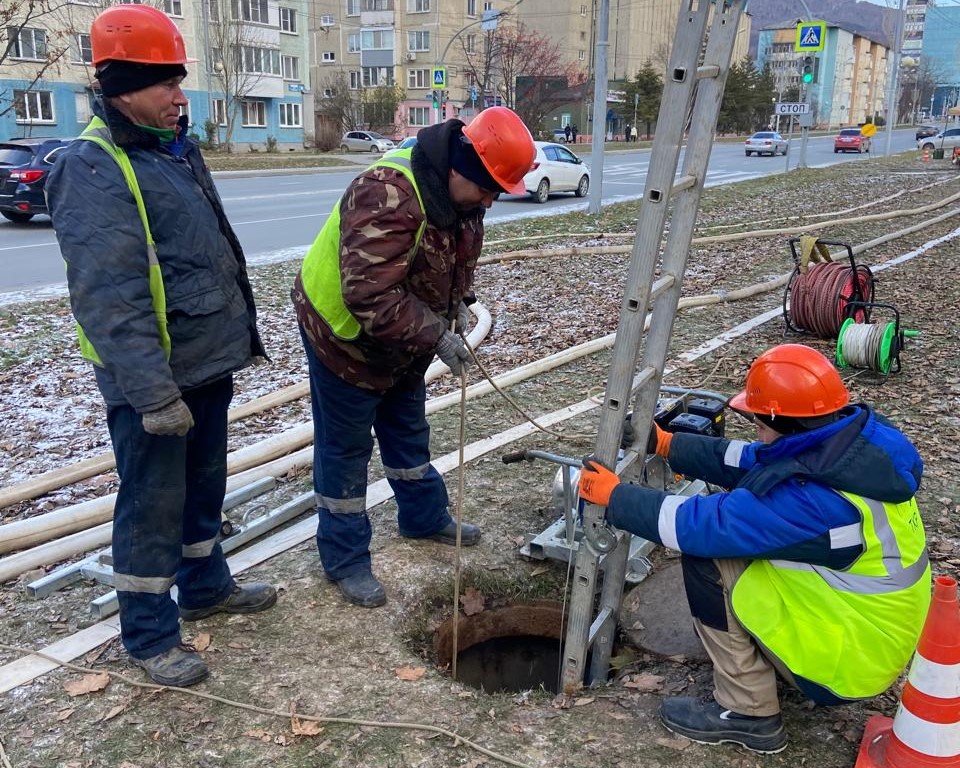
{"x":167,"y":517}
{"x":343,"y":416}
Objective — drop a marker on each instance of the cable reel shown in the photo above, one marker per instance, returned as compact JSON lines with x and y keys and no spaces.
{"x":819,"y":297}
{"x":872,"y":346}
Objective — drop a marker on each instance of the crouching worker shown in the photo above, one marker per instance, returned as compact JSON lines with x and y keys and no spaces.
{"x":158,"y":285}
{"x":814,"y":565}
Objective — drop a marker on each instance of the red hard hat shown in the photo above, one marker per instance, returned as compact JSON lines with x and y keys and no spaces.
{"x":137,"y":33}
{"x":504,"y":145}
{"x":792,"y":380}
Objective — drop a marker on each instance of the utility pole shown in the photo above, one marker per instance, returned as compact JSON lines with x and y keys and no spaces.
{"x":892,"y":78}
{"x":599,"y":129}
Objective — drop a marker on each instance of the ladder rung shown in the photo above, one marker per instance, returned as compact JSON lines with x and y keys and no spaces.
{"x":662,"y":285}
{"x":647,"y":374}
{"x":708,"y":71}
{"x":605,"y":615}
{"x":684,"y":182}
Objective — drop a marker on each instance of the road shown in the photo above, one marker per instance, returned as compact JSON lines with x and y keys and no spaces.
{"x":277,"y":216}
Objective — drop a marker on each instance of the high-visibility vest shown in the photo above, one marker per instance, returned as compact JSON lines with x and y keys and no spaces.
{"x":851,"y":631}
{"x":320,"y":272}
{"x":97,"y":132}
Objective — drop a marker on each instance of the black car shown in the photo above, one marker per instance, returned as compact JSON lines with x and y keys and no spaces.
{"x":24,"y":165}
{"x":923,"y":131}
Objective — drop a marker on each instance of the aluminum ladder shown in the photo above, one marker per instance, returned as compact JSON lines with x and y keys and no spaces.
{"x":691,"y":102}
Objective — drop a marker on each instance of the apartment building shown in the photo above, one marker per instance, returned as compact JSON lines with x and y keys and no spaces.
{"x":851,"y":73}
{"x":249,"y":85}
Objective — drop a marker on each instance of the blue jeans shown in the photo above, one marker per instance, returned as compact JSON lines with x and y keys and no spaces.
{"x":343,"y":416}
{"x":167,"y":518}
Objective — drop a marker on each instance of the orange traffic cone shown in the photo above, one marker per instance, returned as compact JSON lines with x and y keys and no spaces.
{"x":926,"y":155}
{"x":926,"y":730}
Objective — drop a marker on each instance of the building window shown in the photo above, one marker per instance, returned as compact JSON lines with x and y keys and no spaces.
{"x":219,"y":112}
{"x":419,"y":115}
{"x":471,"y":7}
{"x":257,"y":60}
{"x":377,"y":5}
{"x":173,"y":7}
{"x":83,"y":53}
{"x":355,"y":80}
{"x":290,"y":116}
{"x":471,"y":43}
{"x":329,"y":93}
{"x":376,"y":40}
{"x":288,"y":20}
{"x":291,"y":67}
{"x":353,"y":7}
{"x":582,"y":55}
{"x":27,"y":43}
{"x":254,"y":114}
{"x":418,"y":41}
{"x":33,"y":106}
{"x":488,"y":6}
{"x":353,"y":42}
{"x":583,"y":10}
{"x":254,"y":11}
{"x":418,"y":6}
{"x":372,"y":77}
{"x":418,"y":78}
{"x":328,"y":57}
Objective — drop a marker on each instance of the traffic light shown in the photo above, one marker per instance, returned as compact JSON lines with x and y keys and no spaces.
{"x":806,"y":70}
{"x":436,"y":99}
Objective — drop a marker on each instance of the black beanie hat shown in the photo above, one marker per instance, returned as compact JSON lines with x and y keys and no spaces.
{"x":792,"y":425}
{"x":117,"y":77}
{"x":465,"y":161}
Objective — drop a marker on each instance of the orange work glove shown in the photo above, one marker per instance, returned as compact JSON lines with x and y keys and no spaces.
{"x":659,"y":441}
{"x":597,"y":482}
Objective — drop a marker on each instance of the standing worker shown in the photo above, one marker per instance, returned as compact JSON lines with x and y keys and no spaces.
{"x":158,"y":285}
{"x":814,"y":565}
{"x":389,"y":272}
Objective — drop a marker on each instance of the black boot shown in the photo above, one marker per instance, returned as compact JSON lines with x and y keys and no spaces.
{"x":709,"y":723}
{"x":469,"y":534}
{"x":362,"y":589}
{"x":244,"y":598}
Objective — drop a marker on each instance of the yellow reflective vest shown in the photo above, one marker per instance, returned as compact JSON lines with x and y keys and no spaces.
{"x":320,"y":272}
{"x":851,"y":631}
{"x":97,"y":132}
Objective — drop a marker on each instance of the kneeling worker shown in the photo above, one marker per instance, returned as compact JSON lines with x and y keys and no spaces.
{"x":814,"y":565}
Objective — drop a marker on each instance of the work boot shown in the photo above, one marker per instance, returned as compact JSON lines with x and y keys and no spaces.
{"x":181,"y":666}
{"x":362,"y":589}
{"x":469,"y":534}
{"x":245,"y":598}
{"x":706,"y":722}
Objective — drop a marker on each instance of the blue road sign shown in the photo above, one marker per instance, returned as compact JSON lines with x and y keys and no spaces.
{"x":439,"y":77}
{"x":810,"y":36}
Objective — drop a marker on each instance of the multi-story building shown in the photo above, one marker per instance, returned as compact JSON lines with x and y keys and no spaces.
{"x":939,"y":57}
{"x":850,"y":73}
{"x":913,"y":28}
{"x":248,"y":86}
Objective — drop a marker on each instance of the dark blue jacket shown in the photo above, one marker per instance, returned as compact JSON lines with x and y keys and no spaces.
{"x":781,"y":505}
{"x":210,"y":307}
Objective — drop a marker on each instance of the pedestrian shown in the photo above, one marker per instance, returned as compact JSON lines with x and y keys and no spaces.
{"x":158,"y":285}
{"x":633,"y":133}
{"x":573,"y":134}
{"x":566,"y":132}
{"x":814,"y":565}
{"x":626,"y":133}
{"x":389,"y":272}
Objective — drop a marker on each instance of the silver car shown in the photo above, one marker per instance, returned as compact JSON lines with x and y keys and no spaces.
{"x":947,"y":139}
{"x":765,"y":143}
{"x":365,"y":141}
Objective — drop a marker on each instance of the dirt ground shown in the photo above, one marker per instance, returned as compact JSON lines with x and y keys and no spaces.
{"x":377,"y":668}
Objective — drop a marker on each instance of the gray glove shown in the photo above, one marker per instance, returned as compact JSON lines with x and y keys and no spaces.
{"x":463,"y":318}
{"x":173,"y":419}
{"x":453,"y":352}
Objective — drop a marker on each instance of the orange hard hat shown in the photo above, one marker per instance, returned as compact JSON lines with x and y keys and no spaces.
{"x":137,"y":33}
{"x":504,"y":145}
{"x":792,"y":380}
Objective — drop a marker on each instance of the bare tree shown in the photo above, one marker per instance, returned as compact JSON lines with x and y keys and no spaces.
{"x":380,"y":107}
{"x":336,"y":105}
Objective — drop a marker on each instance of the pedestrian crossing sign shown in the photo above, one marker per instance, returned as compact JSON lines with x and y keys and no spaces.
{"x":439,"y":77}
{"x":810,"y":36}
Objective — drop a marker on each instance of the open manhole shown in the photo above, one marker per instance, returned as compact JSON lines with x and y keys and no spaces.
{"x":513,"y":648}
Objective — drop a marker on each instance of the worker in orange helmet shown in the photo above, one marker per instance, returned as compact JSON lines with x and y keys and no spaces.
{"x":814,"y":565}
{"x":388,"y":274}
{"x":158,"y":285}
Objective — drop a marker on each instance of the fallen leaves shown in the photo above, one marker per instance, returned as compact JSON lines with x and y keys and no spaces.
{"x":471,"y":601}
{"x":411,"y":674}
{"x":645,"y":683}
{"x":87,"y":684}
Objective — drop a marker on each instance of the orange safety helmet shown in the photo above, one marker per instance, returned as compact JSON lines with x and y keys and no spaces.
{"x":137,"y":33}
{"x":792,"y":380}
{"x":504,"y":145}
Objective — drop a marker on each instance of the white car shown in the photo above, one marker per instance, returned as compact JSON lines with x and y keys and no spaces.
{"x":947,"y":139}
{"x":765,"y":143}
{"x":556,"y":169}
{"x":365,"y":141}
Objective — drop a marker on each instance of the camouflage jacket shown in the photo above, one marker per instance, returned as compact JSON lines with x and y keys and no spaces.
{"x":402,"y":300}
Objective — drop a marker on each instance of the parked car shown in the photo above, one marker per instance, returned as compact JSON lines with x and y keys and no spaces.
{"x":766,"y":143}
{"x":408,"y":142}
{"x":947,"y":139}
{"x":24,"y":165}
{"x":365,"y":141}
{"x":926,"y":130}
{"x":559,"y":135}
{"x":851,"y":140}
{"x":556,"y":169}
